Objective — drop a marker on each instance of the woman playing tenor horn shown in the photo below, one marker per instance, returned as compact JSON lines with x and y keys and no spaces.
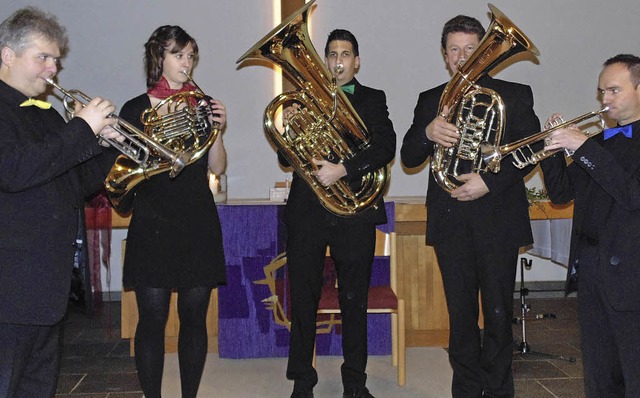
{"x":174,"y":239}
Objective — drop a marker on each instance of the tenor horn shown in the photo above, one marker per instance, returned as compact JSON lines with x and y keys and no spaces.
{"x":478,"y":112}
{"x":326,"y":127}
{"x":186,"y":129}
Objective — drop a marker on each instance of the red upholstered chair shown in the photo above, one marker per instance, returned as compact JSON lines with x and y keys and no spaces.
{"x":382,"y":300}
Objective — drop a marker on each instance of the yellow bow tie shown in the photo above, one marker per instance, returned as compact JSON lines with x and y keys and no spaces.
{"x":38,"y":103}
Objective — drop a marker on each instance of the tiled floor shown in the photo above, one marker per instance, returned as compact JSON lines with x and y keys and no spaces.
{"x":96,"y":361}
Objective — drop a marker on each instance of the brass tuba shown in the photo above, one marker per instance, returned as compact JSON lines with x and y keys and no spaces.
{"x":478,"y":112}
{"x":185,"y":129}
{"x":327,"y":126}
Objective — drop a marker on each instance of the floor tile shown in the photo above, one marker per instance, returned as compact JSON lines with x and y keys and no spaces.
{"x":96,"y":362}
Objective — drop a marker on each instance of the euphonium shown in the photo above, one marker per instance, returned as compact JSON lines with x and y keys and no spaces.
{"x":327,"y":126}
{"x":492,"y":155}
{"x":185,"y":129}
{"x":478,"y":112}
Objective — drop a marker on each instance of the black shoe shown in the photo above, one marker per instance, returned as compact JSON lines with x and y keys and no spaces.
{"x":359,"y":393}
{"x":302,"y":394}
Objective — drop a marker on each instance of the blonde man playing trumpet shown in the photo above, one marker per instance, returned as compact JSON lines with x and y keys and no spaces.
{"x":47,"y":169}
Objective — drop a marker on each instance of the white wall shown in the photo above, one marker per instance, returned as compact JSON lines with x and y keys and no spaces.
{"x":399,"y":48}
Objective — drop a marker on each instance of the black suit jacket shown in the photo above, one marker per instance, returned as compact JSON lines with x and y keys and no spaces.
{"x":47,"y":169}
{"x":499,"y":219}
{"x":371,"y":106}
{"x":604,"y":181}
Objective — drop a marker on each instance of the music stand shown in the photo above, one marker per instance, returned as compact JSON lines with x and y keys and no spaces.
{"x":524,"y":348}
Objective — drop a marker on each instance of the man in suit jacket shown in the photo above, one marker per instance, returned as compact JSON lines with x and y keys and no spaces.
{"x":478,"y":228}
{"x":47,"y":168}
{"x":604,"y":182}
{"x":311,"y":228}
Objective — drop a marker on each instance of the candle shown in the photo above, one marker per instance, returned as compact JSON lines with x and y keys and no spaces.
{"x":218,"y":186}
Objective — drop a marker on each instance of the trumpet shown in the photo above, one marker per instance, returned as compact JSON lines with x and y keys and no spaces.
{"x":136,"y":146}
{"x":524,"y":155}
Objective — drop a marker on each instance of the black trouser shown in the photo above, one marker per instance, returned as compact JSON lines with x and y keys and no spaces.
{"x":352,"y":243}
{"x":610,"y":339}
{"x":479,"y":367}
{"x":29,"y":360}
{"x":153,"y":309}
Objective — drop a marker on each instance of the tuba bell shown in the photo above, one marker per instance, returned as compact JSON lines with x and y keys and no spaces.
{"x":185,"y":129}
{"x":327,"y":127}
{"x":478,"y":112}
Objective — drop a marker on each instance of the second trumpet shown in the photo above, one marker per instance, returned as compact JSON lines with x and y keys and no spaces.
{"x":524,"y":155}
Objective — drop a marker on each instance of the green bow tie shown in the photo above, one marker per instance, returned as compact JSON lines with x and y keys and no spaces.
{"x":349,"y":88}
{"x":38,"y":103}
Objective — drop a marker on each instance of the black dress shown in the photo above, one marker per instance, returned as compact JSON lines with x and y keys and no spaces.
{"x":174,"y":238}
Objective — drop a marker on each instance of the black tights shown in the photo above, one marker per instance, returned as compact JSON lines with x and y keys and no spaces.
{"x":153,"y":309}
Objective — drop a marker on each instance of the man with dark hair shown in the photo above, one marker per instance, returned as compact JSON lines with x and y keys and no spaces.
{"x":351,"y":239}
{"x":47,"y":169}
{"x":476,"y":229}
{"x":604,"y":182}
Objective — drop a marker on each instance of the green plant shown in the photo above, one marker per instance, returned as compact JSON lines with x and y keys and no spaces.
{"x":535,"y":195}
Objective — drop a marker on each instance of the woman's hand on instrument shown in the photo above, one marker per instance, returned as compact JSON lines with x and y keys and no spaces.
{"x":218,"y":112}
{"x":328,"y":173}
{"x":96,"y":113}
{"x":441,"y":132}
{"x":472,"y":189}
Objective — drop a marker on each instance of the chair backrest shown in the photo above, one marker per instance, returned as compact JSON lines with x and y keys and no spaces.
{"x":386,"y":247}
{"x":384,"y":263}
{"x":383,"y":274}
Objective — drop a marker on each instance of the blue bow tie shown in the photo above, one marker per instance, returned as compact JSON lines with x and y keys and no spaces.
{"x":626,"y":130}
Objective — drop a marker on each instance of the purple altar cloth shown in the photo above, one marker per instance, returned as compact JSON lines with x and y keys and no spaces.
{"x":254,"y":235}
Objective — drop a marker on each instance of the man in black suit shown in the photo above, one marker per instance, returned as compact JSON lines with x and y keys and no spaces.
{"x":478,"y":228}
{"x":47,"y":168}
{"x":604,"y":182}
{"x":351,"y":239}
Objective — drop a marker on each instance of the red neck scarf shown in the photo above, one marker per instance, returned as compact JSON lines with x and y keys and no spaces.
{"x":162,"y":89}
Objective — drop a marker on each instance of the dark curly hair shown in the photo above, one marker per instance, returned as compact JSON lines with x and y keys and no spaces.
{"x":166,"y":37}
